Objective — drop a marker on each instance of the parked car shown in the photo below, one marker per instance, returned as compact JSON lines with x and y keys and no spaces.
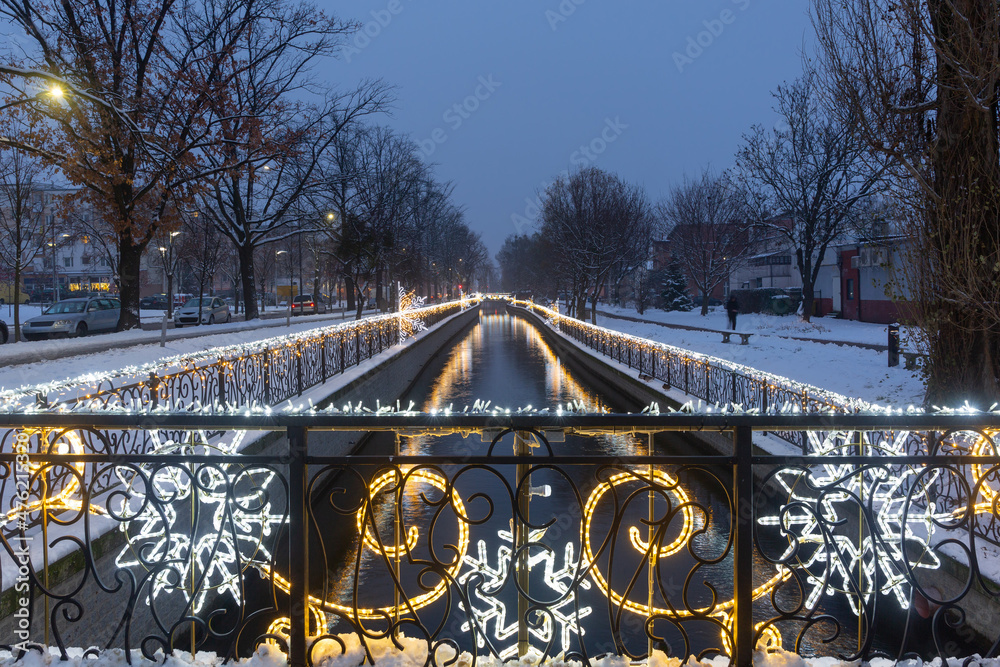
{"x":4,"y":333}
{"x":9,"y":295}
{"x":213,"y":309}
{"x":154,"y":302}
{"x":44,"y":295}
{"x":74,"y":317}
{"x":305,"y":304}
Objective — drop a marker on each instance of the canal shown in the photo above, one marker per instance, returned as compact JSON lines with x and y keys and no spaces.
{"x":575,"y":515}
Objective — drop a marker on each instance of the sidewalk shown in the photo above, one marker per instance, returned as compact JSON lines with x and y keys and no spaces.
{"x":825,"y":341}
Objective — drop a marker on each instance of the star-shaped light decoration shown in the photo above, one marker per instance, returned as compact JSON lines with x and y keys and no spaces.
{"x":409,"y":322}
{"x":851,"y":527}
{"x":233,"y":519}
{"x":490,"y":611}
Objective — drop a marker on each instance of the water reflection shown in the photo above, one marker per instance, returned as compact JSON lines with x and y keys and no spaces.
{"x":507,"y":361}
{"x":504,"y":360}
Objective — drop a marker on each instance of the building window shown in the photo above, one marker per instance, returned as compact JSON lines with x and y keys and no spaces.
{"x":68,"y":260}
{"x":760,"y":282}
{"x":850,"y":289}
{"x":85,"y":260}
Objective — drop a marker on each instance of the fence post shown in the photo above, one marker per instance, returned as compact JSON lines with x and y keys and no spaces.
{"x":221,"y":365}
{"x":154,"y":390}
{"x":322,"y":356}
{"x":802,"y":434}
{"x":743,"y":639}
{"x":298,"y":546}
{"x":734,"y":388}
{"x":298,"y":364}
{"x":267,"y":375}
{"x":343,"y":342}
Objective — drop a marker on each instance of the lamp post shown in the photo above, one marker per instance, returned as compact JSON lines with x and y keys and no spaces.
{"x":289,"y":316}
{"x":55,"y":274}
{"x":168,"y":265}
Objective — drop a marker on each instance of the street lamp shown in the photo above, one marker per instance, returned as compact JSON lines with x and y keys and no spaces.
{"x":168,"y":264}
{"x":55,"y":275}
{"x":282,"y":252}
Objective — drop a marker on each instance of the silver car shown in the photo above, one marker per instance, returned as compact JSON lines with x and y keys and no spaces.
{"x":213,"y":309}
{"x":74,"y":317}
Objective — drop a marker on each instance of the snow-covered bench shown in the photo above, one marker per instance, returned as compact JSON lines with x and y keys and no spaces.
{"x":744,"y":337}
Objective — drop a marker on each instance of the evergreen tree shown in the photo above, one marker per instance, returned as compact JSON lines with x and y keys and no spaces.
{"x":674,"y":295}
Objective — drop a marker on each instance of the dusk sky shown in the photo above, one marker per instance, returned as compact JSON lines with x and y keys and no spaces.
{"x":650,"y":89}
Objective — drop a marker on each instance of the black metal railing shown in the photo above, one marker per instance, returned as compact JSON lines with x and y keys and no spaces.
{"x":507,"y":535}
{"x":254,"y":374}
{"x":713,"y":380}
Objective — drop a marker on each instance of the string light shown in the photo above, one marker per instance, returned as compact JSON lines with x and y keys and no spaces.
{"x":91,"y":385}
{"x":902,"y":529}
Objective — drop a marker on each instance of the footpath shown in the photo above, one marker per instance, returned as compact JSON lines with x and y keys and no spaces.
{"x":669,"y":325}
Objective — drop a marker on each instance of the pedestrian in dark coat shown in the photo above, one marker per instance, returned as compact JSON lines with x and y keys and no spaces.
{"x":733,"y":308}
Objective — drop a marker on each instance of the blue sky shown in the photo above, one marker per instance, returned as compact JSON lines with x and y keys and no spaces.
{"x":503,"y":96}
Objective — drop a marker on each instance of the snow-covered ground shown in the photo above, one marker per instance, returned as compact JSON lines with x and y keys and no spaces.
{"x":414,"y":654}
{"x":848,"y":370}
{"x":14,"y":373}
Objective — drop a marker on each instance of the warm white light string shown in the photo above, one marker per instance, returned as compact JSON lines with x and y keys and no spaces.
{"x":11,"y":399}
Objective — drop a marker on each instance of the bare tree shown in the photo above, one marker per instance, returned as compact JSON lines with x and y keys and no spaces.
{"x":21,"y":219}
{"x":202,"y":248}
{"x":805,"y":179}
{"x":595,"y":220}
{"x":921,"y":81}
{"x":268,"y":144}
{"x":709,"y":233}
{"x":372,"y":181}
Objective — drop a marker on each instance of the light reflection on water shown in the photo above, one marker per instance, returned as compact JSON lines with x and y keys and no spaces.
{"x":507,"y":361}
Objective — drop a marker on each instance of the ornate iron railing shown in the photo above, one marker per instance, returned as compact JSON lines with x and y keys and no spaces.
{"x":262,"y":373}
{"x":713,"y":380}
{"x":528,"y":539}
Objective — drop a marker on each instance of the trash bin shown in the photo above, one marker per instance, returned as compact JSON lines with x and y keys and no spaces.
{"x":893,"y":345}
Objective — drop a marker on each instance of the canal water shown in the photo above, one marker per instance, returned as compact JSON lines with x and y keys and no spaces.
{"x":506,"y":362}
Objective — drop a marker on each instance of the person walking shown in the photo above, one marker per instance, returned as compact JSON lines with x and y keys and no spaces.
{"x":733,"y":308}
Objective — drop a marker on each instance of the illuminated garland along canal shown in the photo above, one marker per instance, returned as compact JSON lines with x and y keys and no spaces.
{"x":506,"y":360}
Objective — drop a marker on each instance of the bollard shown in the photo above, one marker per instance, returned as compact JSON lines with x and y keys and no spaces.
{"x":163,"y":331}
{"x":893,"y":345}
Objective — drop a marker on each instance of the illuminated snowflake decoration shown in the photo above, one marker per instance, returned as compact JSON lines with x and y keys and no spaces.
{"x":197,"y":550}
{"x":490,"y":611}
{"x":850,"y":528}
{"x":409,"y":322}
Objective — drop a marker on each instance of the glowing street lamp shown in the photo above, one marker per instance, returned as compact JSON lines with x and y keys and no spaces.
{"x":288,"y":317}
{"x":167,"y":253}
